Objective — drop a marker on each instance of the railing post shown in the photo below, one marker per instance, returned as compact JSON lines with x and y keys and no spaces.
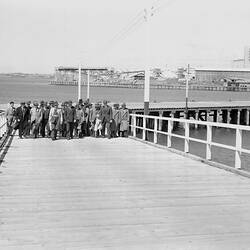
{"x":144,"y":129}
{"x":160,"y":120}
{"x":155,"y":130}
{"x":208,"y":145}
{"x":134,"y":125}
{"x":196,"y":118}
{"x":170,"y":128}
{"x":238,"y":148}
{"x":186,"y":147}
{"x":247,"y":117}
{"x":238,"y":116}
{"x":228,"y":116}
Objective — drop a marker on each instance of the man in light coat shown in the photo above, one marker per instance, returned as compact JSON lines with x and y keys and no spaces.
{"x":9,"y":114}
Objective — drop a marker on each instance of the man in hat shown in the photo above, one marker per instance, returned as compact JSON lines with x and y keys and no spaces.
{"x":80,"y":102}
{"x":9,"y":114}
{"x":55,"y":121}
{"x":46,"y":118}
{"x":124,"y":118}
{"x":87,"y":118}
{"x":92,"y":116}
{"x":43,"y":119}
{"x":22,"y":116}
{"x":51,"y":103}
{"x":116,"y":117}
{"x":63,"y":122}
{"x":106,"y":116}
{"x":35,"y":118}
{"x":70,"y":119}
{"x":27,"y":129}
{"x":48,"y":109}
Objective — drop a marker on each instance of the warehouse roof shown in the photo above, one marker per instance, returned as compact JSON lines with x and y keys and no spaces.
{"x":224,"y":69}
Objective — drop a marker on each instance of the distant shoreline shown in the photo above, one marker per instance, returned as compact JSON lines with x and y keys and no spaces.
{"x":37,"y":88}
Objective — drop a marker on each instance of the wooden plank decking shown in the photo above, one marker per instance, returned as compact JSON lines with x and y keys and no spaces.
{"x":117,"y":194}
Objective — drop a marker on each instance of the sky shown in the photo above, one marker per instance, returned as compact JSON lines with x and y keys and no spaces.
{"x":38,"y":35}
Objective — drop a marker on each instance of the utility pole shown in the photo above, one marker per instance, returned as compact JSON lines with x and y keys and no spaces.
{"x":79,"y":82}
{"x":147,"y":17}
{"x":88,"y":85}
{"x":187,"y":83}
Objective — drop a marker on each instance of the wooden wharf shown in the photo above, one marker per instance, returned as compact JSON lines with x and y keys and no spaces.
{"x":153,"y":86}
{"x":231,"y":112}
{"x":117,"y":194}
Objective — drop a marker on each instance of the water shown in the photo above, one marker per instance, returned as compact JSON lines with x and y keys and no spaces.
{"x":220,"y":135}
{"x":21,"y":89}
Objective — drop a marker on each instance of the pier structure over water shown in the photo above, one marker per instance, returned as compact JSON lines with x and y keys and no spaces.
{"x":234,"y":112}
{"x":139,"y":85}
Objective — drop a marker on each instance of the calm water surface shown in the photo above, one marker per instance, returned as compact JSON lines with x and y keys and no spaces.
{"x":22,"y":89}
{"x":220,"y":135}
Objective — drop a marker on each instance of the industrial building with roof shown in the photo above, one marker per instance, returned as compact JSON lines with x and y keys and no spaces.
{"x":216,"y":75}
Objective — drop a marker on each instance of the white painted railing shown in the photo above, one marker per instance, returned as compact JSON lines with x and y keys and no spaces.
{"x":238,"y":149}
{"x":3,"y":124}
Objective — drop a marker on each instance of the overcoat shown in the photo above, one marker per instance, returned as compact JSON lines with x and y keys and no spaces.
{"x":124,"y":113}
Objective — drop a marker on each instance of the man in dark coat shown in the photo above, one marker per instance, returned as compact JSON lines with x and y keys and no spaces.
{"x":22,"y":116}
{"x":63,"y":125}
{"x":28,"y":125}
{"x":44,"y":120}
{"x":106,"y":116}
{"x":69,"y":118}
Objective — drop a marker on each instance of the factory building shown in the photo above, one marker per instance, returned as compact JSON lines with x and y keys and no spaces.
{"x":217,"y":75}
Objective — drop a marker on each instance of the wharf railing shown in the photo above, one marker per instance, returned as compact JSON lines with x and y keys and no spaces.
{"x":3,"y":125}
{"x":3,"y":130}
{"x":141,"y":122}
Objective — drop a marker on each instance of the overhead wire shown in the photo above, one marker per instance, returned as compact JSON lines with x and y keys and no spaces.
{"x":121,"y":33}
{"x":139,"y":16}
{"x":134,"y":23}
{"x":162,"y":6}
{"x":156,"y":7}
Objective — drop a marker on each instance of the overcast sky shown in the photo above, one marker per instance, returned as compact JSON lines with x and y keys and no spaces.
{"x":37,"y":35}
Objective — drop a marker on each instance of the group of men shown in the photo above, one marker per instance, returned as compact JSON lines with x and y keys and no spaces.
{"x":83,"y":119}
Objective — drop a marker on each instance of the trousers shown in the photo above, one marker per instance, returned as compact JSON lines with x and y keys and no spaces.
{"x":69,"y":129}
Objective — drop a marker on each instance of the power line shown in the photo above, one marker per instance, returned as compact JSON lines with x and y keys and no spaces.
{"x":138,"y":20}
{"x":162,"y":6}
{"x":135,"y":22}
{"x":128,"y":31}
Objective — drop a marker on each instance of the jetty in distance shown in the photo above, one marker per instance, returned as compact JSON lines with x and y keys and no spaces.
{"x":120,"y":84}
{"x":199,"y":79}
